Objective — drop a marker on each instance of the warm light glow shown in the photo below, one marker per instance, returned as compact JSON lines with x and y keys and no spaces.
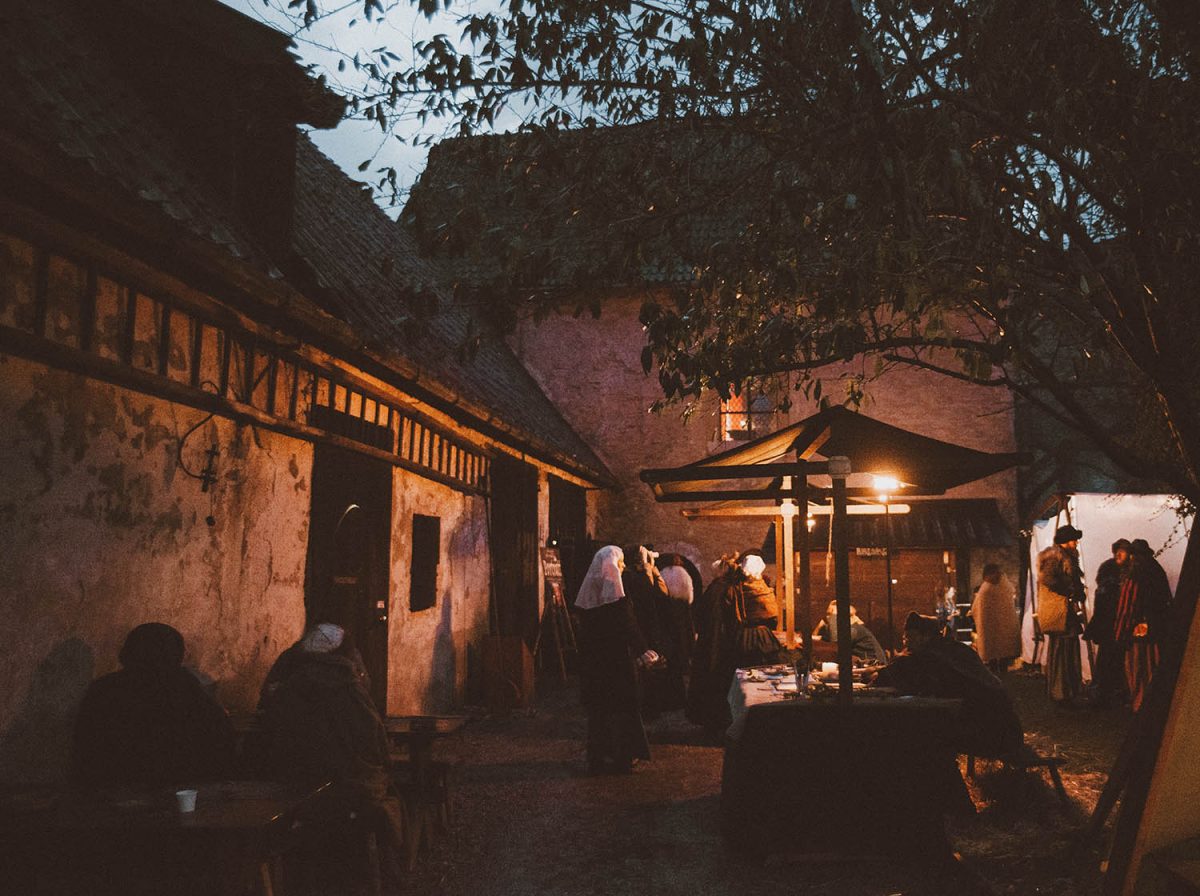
{"x":885,"y":485}
{"x":811,"y":522}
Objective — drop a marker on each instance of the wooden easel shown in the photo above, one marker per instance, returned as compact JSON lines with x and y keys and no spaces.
{"x":555,"y":617}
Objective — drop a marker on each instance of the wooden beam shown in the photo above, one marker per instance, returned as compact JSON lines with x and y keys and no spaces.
{"x":733,"y":471}
{"x":729,"y":495}
{"x":44,"y":351}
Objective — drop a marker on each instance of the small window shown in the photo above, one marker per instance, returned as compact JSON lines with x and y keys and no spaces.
{"x":745,"y":416}
{"x":426,"y":552}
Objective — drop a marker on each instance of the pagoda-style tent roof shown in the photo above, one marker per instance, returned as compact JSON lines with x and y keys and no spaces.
{"x":925,"y":466}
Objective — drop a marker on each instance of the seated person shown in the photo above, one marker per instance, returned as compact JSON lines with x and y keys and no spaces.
{"x":863,"y":644}
{"x":322,"y":724}
{"x":935,"y":666}
{"x":151,"y":723}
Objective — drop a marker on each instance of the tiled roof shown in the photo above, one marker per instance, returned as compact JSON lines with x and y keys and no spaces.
{"x":656,"y":200}
{"x":61,"y":97}
{"x":65,"y":106}
{"x":371,"y":264}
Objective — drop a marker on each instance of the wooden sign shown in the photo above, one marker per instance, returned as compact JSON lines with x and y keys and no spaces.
{"x":552,"y":565}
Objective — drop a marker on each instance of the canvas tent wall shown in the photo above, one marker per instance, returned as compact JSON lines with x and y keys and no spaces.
{"x":1103,"y":519}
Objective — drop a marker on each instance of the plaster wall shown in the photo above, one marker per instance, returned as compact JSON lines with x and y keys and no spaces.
{"x":591,"y":368}
{"x":430,"y":650}
{"x":104,"y":530}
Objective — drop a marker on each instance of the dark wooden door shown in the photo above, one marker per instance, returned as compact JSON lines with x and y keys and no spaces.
{"x":568,"y":532}
{"x":349,"y":537}
{"x":514,"y":545}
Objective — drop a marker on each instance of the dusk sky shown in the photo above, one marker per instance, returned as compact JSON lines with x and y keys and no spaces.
{"x":355,"y":141}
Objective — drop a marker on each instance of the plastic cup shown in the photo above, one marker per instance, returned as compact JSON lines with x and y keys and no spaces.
{"x":186,"y":800}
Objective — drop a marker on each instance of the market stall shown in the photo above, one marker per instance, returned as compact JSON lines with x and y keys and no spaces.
{"x":823,"y":466}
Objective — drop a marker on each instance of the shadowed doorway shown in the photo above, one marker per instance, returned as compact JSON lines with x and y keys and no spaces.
{"x":346,"y":579}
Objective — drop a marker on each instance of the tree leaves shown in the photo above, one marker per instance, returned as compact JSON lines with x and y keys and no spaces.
{"x":1004,"y":191}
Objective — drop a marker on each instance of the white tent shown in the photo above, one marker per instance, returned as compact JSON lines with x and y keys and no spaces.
{"x":1103,"y":519}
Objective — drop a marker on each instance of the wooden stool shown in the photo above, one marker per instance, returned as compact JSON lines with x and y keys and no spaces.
{"x":426,"y":804}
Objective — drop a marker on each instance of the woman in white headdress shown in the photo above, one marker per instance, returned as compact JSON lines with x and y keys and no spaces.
{"x":611,"y":647}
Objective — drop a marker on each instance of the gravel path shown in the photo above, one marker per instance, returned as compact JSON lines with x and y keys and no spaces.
{"x":527,"y":821}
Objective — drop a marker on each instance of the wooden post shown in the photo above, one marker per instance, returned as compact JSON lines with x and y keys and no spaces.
{"x":839,"y":469}
{"x":804,"y":599}
{"x":785,"y":555}
{"x":781,"y":577}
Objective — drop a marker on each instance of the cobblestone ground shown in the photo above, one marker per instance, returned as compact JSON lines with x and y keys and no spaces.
{"x":528,"y":821}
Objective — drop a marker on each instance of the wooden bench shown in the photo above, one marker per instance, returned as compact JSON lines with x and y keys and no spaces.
{"x":1029,"y":758}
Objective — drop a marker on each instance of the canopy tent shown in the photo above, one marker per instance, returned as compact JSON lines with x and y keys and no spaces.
{"x":926,"y":466}
{"x":860,"y":455}
{"x":1103,"y":519}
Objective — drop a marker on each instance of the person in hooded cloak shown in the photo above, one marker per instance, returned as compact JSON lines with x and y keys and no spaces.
{"x":997,"y":625}
{"x":741,"y":633}
{"x":1141,"y":617}
{"x":611,"y":650}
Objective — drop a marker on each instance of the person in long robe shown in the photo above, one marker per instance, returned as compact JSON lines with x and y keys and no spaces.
{"x":323,"y":726}
{"x":997,"y":625}
{"x":864,"y":646}
{"x":937,"y":666}
{"x":682,"y":631}
{"x":662,"y":686}
{"x":1058,"y":570}
{"x":743,"y":622}
{"x":611,"y":649}
{"x":707,"y":703}
{"x":151,"y":723}
{"x":1109,"y":672}
{"x":1140,"y":618}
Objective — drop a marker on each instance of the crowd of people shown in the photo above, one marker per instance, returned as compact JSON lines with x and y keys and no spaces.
{"x":1127,"y":623}
{"x":651,"y":641}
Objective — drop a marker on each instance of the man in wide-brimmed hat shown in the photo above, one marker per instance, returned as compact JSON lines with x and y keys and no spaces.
{"x":1059,"y":572}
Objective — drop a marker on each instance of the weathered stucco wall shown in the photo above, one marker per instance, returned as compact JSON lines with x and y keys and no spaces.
{"x":102,"y":530}
{"x":429,"y":651}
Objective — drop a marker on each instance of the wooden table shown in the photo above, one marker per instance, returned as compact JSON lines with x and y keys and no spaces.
{"x":417,"y":734}
{"x":814,"y":776}
{"x":426,"y":795}
{"x":138,"y":841}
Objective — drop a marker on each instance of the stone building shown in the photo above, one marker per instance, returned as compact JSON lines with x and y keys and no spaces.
{"x":233,"y":398}
{"x":588,"y":357}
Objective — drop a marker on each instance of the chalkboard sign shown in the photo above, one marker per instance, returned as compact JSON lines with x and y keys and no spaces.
{"x":552,"y":565}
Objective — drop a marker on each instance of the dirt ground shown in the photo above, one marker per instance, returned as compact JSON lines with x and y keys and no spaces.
{"x":527,"y":820}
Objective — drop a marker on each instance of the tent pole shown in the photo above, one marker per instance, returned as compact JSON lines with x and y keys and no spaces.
{"x":839,"y":469}
{"x":804,"y":600}
{"x":787,"y":564}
